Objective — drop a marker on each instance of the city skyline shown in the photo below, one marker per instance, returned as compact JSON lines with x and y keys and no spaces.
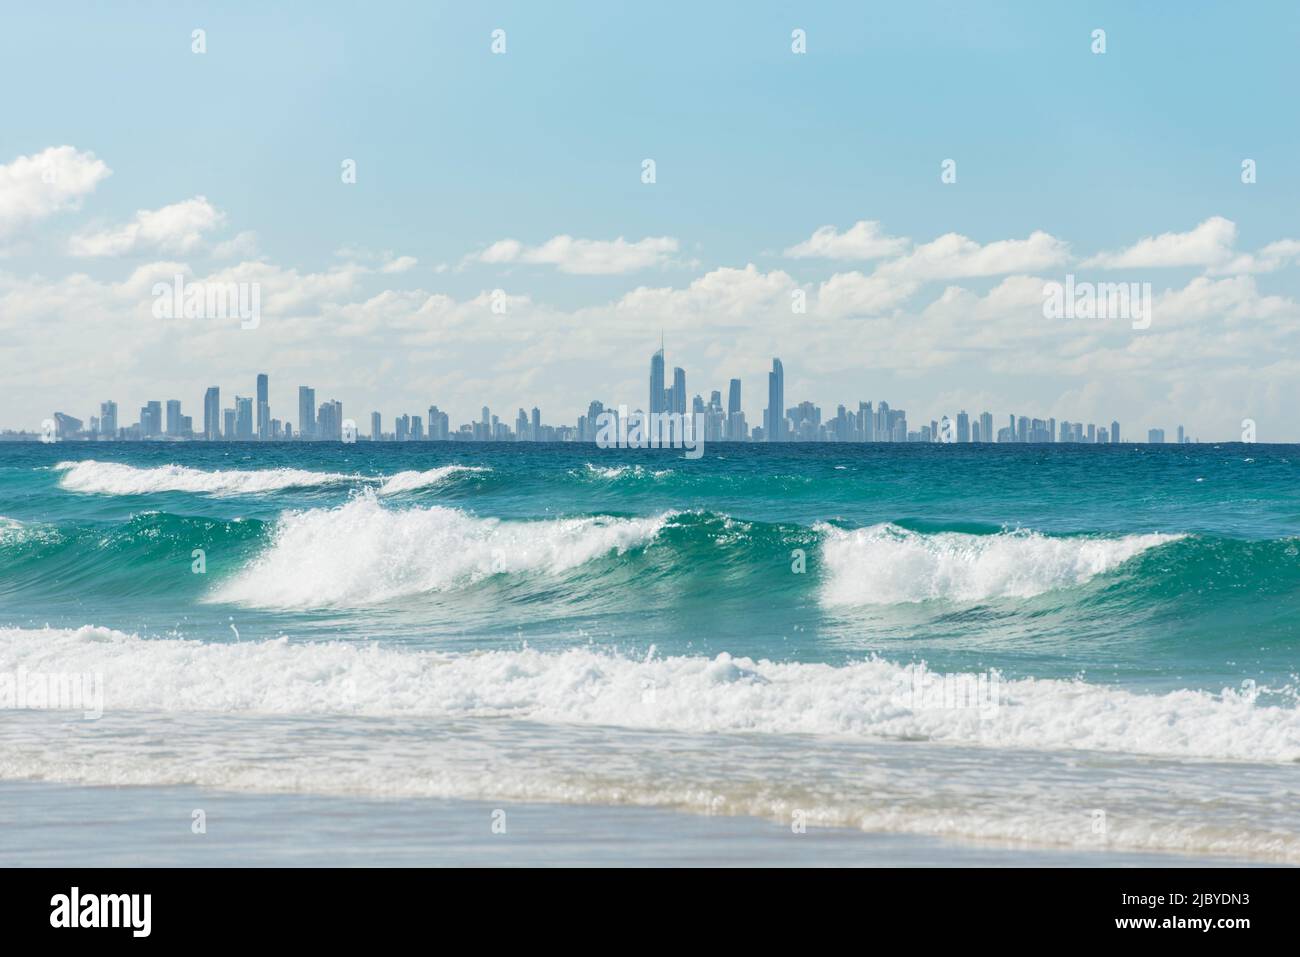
{"x":871,"y":421}
{"x":397,"y":258}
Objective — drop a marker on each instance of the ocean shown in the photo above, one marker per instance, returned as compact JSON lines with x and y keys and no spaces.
{"x":935,"y":653}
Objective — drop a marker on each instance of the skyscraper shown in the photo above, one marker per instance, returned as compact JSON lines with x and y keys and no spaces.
{"x":108,"y":418}
{"x":657,"y":381}
{"x":733,"y":397}
{"x":174,"y":417}
{"x":678,"y":403}
{"x":306,"y":412}
{"x":244,"y":419}
{"x":376,"y":432}
{"x":263,"y":407}
{"x":986,"y":427}
{"x":774,"y":419}
{"x":963,"y":426}
{"x":151,"y":420}
{"x":329,"y":421}
{"x":1114,"y":431}
{"x":212,"y":413}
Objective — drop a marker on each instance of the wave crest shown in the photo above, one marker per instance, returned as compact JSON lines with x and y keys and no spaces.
{"x":362,"y":553}
{"x":886,"y":564}
{"x":694,"y":694}
{"x":114,"y":478}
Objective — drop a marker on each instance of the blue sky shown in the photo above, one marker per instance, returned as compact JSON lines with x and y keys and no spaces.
{"x":755,"y":149}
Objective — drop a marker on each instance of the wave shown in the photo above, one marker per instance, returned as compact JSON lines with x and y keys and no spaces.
{"x":412,"y":481}
{"x":114,"y":478}
{"x":886,"y":564}
{"x":696,"y":694}
{"x":614,"y":472}
{"x":362,"y":553}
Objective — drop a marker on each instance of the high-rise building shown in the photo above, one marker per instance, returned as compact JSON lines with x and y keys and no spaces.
{"x":263,"y":407}
{"x":151,"y":420}
{"x":306,"y":412}
{"x":1181,"y":436}
{"x":244,"y":424}
{"x":228,"y":424}
{"x":963,"y":426}
{"x":108,"y":418}
{"x":537,"y":424}
{"x":376,"y":432}
{"x":774,"y":421}
{"x":329,"y":421}
{"x":174,"y":417}
{"x":212,"y":413}
{"x":986,"y":427}
{"x":66,"y":426}
{"x":1114,"y":431}
{"x":439,"y":424}
{"x":657,"y":395}
{"x":1156,"y":436}
{"x":678,"y":403}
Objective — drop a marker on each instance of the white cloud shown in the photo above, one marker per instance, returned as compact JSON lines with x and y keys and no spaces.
{"x":853,"y":294}
{"x":953,"y":256}
{"x":1274,"y":256}
{"x":582,"y":256}
{"x":863,"y":240}
{"x":400,"y":264}
{"x":51,"y":181}
{"x":243,"y":246}
{"x":177,"y":228}
{"x":1209,"y":244}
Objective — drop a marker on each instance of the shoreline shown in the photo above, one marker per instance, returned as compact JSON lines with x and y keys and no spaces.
{"x":57,"y":825}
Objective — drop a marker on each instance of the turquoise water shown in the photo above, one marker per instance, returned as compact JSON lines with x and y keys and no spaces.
{"x":1217,"y":606}
{"x":1135,"y":605}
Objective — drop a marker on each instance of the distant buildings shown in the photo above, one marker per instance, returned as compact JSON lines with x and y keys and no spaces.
{"x":306,"y":412}
{"x":250,"y":419}
{"x":774,"y":418}
{"x":212,"y":414}
{"x":263,"y":407}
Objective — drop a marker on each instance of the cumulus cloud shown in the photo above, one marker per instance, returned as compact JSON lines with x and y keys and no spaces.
{"x":51,"y":181}
{"x":865,"y":239}
{"x":953,"y":256}
{"x":853,"y":294}
{"x":1208,"y":244}
{"x":582,"y":256}
{"x":243,"y":246}
{"x":400,"y":264}
{"x":1274,"y":256}
{"x":177,"y":228}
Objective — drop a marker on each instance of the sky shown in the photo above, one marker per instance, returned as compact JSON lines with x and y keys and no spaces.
{"x":501,"y":244}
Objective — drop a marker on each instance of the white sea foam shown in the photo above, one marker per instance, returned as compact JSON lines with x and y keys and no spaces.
{"x":363,"y":552}
{"x":413,"y":481}
{"x":114,"y":478}
{"x":885,"y":564}
{"x":692,"y":694}
{"x":623,"y":471}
